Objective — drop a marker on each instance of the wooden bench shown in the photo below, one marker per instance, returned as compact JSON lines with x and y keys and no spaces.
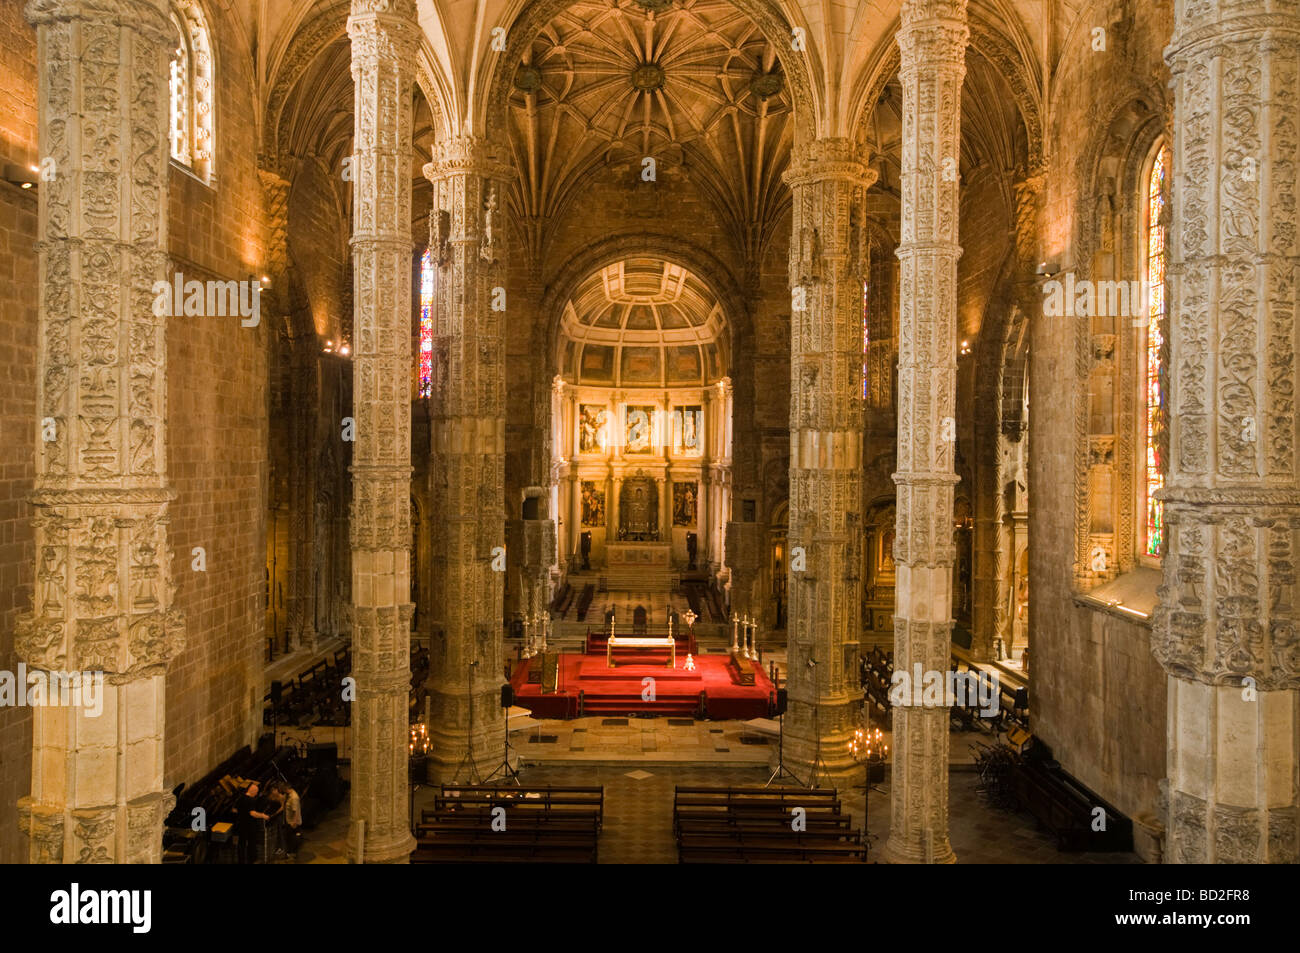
{"x":707,"y":852}
{"x":549,"y":799}
{"x":1066,"y":808}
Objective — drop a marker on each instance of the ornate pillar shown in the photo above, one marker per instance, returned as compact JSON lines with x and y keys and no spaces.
{"x":384,"y":38}
{"x":1225,"y":627}
{"x":102,"y":605}
{"x":932,"y":41}
{"x":469,"y":179}
{"x":827,"y":265}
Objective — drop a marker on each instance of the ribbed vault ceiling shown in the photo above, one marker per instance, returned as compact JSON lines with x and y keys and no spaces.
{"x":693,"y":83}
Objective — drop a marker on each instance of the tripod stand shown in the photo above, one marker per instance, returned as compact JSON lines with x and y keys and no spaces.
{"x":782,"y":772}
{"x":504,"y":768}
{"x":469,"y":737}
{"x":817,"y":733}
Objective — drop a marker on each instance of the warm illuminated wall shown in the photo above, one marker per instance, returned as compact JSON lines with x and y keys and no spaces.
{"x":605,"y":435}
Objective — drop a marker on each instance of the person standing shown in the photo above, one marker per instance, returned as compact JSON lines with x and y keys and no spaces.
{"x":248,"y":808}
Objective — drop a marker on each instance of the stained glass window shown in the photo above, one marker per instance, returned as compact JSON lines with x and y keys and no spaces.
{"x":866,"y":335}
{"x":426,"y":325}
{"x":1156,"y":258}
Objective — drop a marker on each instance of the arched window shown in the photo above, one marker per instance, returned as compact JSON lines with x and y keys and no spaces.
{"x":1153,"y":371}
{"x":426,"y":325}
{"x":191,"y":90}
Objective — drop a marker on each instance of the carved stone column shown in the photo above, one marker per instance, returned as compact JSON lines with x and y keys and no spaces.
{"x":469,"y":178}
{"x":1228,"y":604}
{"x":827,"y":268}
{"x":384,"y":37}
{"x":102,"y":605}
{"x":932,"y":41}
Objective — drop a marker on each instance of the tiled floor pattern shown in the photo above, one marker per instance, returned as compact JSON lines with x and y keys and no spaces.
{"x":638,"y":817}
{"x":656,"y":740}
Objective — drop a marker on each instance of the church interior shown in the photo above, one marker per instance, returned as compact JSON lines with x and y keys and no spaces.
{"x":649,"y":431}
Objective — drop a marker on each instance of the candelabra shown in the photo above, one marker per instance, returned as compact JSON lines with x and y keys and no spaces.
{"x":868,"y":748}
{"x":735,"y":633}
{"x":546,"y":631}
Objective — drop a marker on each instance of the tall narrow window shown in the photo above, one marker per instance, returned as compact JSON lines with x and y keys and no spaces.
{"x":1153,"y":366}
{"x":866,"y":335}
{"x":191,"y":90}
{"x":426,"y":325}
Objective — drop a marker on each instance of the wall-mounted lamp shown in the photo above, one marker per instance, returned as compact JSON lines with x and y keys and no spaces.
{"x":1048,"y":269}
{"x":965,"y":347}
{"x":25,"y":177}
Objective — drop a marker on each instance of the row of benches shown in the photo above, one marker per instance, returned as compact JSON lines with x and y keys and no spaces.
{"x":968,"y":713}
{"x":314,"y":697}
{"x":739,"y":825}
{"x":485,"y":824}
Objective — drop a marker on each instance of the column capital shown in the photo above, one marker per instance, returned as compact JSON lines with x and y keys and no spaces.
{"x":469,"y":155}
{"x":933,"y":33}
{"x":384,"y":32}
{"x":830,"y":159}
{"x":147,"y":17}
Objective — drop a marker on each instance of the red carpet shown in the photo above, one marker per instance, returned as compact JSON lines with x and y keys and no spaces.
{"x":587,"y":686}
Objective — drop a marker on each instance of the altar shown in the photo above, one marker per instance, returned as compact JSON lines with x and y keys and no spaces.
{"x":638,"y":555}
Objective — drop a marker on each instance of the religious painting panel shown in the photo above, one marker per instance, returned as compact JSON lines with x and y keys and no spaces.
{"x":592,"y":433}
{"x":688,"y":431}
{"x":593,"y":504}
{"x":638,"y":429}
{"x":684,"y":497}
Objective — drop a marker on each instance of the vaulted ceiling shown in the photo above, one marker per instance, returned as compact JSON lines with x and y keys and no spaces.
{"x":692,"y":84}
{"x":643,"y":322}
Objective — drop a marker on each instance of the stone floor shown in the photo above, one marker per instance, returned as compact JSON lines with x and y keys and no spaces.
{"x":638,"y":816}
{"x":643,"y":740}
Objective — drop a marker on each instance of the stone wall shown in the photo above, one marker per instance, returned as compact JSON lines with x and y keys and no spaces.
{"x":1096,"y":692}
{"x":217,"y":438}
{"x":17,"y":399}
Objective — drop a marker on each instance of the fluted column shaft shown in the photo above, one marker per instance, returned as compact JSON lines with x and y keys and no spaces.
{"x":932,"y":42}
{"x":827,"y":268}
{"x":102,"y":603}
{"x":469,"y":450}
{"x":384,"y":40}
{"x":1227,"y":610}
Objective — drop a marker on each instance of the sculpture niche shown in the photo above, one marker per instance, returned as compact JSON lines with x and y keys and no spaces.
{"x":638,"y":510}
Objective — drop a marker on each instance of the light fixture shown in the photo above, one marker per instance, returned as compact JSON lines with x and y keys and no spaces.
{"x":345,"y":350}
{"x":965,"y":347}
{"x":1048,"y":269}
{"x":25,"y":177}
{"x":266,"y":281}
